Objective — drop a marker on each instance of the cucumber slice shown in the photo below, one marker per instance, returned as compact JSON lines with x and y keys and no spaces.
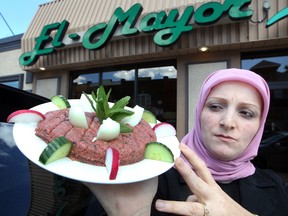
{"x":149,"y":117}
{"x":55,"y":150}
{"x":158,"y":151}
{"x":60,"y":101}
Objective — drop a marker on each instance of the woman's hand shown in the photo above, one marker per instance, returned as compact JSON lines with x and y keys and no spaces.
{"x":126,"y":199}
{"x":208,"y":198}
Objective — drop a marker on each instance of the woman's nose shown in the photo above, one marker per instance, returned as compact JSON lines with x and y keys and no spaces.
{"x":228,"y":121}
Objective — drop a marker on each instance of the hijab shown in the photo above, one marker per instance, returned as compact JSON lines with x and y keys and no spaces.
{"x":241,"y":167}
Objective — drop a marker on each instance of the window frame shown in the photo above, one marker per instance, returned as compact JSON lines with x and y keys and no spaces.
{"x":12,"y":78}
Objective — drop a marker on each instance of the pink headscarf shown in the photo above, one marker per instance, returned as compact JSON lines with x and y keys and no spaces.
{"x":226,"y":171}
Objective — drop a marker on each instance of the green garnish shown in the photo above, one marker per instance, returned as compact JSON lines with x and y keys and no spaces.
{"x":103,"y":111}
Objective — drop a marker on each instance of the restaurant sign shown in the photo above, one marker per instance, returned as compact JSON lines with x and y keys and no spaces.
{"x":166,"y":27}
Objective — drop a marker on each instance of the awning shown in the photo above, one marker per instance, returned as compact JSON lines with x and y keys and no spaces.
{"x":82,"y":14}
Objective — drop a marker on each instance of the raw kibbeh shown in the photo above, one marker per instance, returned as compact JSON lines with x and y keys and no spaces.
{"x":131,"y":146}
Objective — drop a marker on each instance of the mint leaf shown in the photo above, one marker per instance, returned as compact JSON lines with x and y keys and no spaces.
{"x":90,"y":101}
{"x":124,"y":128}
{"x":118,"y":116}
{"x":121,"y":103}
{"x":100,"y":111}
{"x":116,"y":112}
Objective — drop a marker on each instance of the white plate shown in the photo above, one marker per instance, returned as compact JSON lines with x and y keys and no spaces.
{"x":32,"y":146}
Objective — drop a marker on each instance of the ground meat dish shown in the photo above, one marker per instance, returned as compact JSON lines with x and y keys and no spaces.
{"x":131,"y":146}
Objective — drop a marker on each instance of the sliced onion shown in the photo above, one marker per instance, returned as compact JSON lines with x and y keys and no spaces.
{"x":108,"y":130}
{"x":85,"y":104}
{"x":77,"y":117}
{"x":134,"y":119}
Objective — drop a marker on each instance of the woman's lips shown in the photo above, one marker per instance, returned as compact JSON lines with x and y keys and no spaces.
{"x":225,"y":137}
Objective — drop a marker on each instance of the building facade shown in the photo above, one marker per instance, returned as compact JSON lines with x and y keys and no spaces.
{"x":154,"y":52}
{"x":150,"y":50}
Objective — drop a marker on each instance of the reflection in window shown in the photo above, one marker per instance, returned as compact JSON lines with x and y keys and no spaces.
{"x":153,"y":88}
{"x":15,"y":81}
{"x":121,"y":84}
{"x":87,"y":78}
{"x":14,"y":84}
{"x":156,"y":92}
{"x":274,"y":146}
{"x":275,"y":71}
{"x":117,"y":76}
{"x":84,"y":83}
{"x":158,"y":72}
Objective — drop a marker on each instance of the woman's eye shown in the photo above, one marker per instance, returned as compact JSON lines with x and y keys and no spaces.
{"x":247,"y":113}
{"x":215,"y":107}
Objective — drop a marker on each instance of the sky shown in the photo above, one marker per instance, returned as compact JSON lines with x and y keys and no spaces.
{"x":18,"y":14}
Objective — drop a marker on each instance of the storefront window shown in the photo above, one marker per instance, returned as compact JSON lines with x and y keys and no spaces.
{"x":274,"y":145}
{"x":274,"y":71}
{"x":121,"y":84}
{"x":15,"y":81}
{"x":86,"y":82}
{"x":157,"y":92}
{"x":153,"y":88}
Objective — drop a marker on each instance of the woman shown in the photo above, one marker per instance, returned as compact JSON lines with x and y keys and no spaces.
{"x":230,"y":119}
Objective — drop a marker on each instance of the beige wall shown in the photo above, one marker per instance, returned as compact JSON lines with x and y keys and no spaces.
{"x":197,"y":73}
{"x":51,"y":83}
{"x":9,"y":65}
{"x":9,"y":62}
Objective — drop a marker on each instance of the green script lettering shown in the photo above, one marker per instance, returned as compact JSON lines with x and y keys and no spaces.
{"x":211,"y":12}
{"x":238,"y":11}
{"x":57,"y":41}
{"x":277,"y":17}
{"x":119,"y":17}
{"x":169,"y":27}
{"x":30,"y":58}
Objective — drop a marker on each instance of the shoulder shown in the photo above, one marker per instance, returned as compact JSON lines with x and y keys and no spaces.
{"x":266,"y":183}
{"x":266,"y":177}
{"x":264,"y":193}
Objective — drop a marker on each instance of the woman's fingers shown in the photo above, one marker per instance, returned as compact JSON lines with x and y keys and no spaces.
{"x":196,"y":184}
{"x":192,"y":198}
{"x":199,"y":180}
{"x":198,"y":165}
{"x":180,"y":208}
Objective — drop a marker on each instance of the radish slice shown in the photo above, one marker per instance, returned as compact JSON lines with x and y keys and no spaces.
{"x":77,"y":117}
{"x":164,"y":129}
{"x":108,"y":130}
{"x":112,"y":162}
{"x":134,"y":119}
{"x":25,"y":116}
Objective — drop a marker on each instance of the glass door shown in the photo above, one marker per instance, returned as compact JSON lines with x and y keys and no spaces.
{"x":156,"y":92}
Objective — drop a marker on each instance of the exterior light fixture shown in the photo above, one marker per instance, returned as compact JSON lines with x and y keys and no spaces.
{"x":203,"y":49}
{"x":42,"y":68}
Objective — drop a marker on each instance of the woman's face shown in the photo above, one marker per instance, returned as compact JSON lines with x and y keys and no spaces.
{"x":230,"y":119}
